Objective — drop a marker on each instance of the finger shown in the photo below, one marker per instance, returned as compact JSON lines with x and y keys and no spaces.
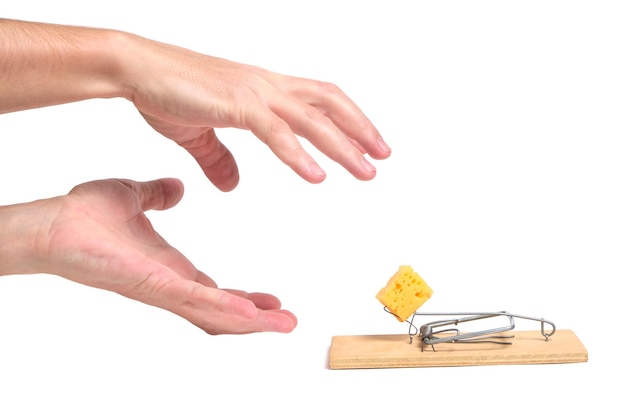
{"x":265,"y":301}
{"x":204,"y":279}
{"x":280,"y":138}
{"x":331,"y":101}
{"x":160,"y":194}
{"x":220,"y":312}
{"x":216,"y":161}
{"x":261,"y":300}
{"x":308,"y":122}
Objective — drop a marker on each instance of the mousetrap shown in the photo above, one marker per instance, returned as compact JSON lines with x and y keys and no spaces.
{"x":456,"y":339}
{"x":459,"y":339}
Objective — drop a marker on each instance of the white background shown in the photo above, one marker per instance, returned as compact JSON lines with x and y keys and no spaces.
{"x":505,"y":190}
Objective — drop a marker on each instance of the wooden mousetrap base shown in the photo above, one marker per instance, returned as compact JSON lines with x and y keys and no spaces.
{"x":395,"y":351}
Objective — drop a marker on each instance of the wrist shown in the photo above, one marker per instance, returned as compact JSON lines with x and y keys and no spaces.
{"x":121,"y":72}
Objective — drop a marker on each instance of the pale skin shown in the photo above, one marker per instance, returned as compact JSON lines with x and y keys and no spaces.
{"x":98,"y":234}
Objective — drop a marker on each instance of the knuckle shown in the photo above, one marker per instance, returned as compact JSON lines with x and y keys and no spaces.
{"x":276,"y":128}
{"x":329,"y":88}
{"x":314,"y":114}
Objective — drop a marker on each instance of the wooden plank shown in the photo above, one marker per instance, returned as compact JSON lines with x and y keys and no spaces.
{"x":395,"y":351}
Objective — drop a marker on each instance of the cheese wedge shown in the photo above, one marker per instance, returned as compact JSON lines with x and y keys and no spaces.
{"x":405,"y":292}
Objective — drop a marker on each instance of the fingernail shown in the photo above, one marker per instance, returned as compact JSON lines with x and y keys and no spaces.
{"x":368,"y":167}
{"x":316,"y":171}
{"x":384,"y":148}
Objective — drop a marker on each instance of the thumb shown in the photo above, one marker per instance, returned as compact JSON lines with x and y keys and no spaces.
{"x":216,"y":161}
{"x":160,"y":194}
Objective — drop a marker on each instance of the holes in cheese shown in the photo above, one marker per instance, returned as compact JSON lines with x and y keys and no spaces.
{"x":405,"y":292}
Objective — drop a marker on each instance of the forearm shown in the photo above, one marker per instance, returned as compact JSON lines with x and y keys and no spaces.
{"x":46,"y":64}
{"x":22,"y":237}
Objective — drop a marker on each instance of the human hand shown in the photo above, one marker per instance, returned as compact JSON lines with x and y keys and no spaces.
{"x":98,"y":235}
{"x":184,"y":95}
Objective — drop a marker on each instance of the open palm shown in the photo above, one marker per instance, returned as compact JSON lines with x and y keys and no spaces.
{"x":99,"y":235}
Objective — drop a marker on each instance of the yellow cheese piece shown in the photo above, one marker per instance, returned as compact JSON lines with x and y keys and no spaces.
{"x":405,"y":292}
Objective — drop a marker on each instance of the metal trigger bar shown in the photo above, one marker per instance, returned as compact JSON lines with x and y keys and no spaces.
{"x":431,"y":336}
